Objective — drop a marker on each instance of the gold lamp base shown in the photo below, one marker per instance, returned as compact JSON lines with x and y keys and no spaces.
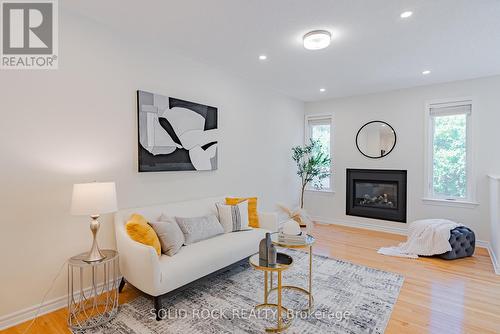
{"x":94,"y":255}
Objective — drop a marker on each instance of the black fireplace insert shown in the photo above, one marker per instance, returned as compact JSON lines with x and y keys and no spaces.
{"x":376,"y":193}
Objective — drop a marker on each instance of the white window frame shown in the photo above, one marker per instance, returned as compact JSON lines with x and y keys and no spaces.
{"x":429,"y":196}
{"x":307,"y":136}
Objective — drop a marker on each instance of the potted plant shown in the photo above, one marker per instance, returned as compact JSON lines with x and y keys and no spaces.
{"x":313,"y":165}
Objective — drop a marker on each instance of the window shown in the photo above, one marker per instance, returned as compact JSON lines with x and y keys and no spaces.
{"x":320,"y":128}
{"x":449,"y":171}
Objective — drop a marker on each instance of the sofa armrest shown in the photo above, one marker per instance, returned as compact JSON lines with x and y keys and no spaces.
{"x":269,"y":221}
{"x":139,"y":263}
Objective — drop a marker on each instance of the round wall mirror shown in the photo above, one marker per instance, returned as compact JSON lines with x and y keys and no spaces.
{"x":376,"y":139}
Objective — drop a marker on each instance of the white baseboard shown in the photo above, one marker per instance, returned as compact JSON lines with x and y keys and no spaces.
{"x":403,"y":231}
{"x":494,"y":259}
{"x":29,"y":313}
{"x":482,"y":244}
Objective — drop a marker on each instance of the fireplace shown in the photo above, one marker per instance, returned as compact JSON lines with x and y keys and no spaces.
{"x":376,"y":193}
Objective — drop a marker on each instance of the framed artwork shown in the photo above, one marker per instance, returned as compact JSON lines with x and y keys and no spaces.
{"x":175,"y":135}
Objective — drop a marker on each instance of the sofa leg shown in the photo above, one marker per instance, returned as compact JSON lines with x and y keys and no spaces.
{"x":122,"y":284}
{"x":157,"y":304}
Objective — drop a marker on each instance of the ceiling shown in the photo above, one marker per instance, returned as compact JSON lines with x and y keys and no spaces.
{"x":373,"y":48}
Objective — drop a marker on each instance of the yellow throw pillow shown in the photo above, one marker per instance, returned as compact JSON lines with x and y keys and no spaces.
{"x":253,"y":216}
{"x":139,"y":230}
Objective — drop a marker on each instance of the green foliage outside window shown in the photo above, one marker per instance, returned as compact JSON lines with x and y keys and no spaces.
{"x":449,"y":156}
{"x":321,"y":133}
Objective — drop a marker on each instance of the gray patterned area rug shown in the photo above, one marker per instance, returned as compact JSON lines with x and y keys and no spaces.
{"x":348,"y":298}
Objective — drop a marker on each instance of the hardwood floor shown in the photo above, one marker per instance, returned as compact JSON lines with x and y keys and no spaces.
{"x":438,"y":296}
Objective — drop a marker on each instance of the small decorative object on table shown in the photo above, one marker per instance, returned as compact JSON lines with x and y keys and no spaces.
{"x":291,"y":233}
{"x":267,"y":251}
{"x":290,"y":227}
{"x":89,"y":308}
{"x":298,"y":215}
{"x":263,"y":246}
{"x":272,"y":255}
{"x":292,"y":239}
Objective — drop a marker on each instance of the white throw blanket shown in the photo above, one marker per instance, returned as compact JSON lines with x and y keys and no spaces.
{"x":425,"y":237}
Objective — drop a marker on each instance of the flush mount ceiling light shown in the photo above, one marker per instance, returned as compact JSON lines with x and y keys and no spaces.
{"x":426,"y":72}
{"x":407,"y":14}
{"x":262,"y":57}
{"x":322,"y":90}
{"x":317,"y":39}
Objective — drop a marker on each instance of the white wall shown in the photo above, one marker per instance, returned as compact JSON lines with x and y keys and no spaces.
{"x":78,"y":124}
{"x":495,"y":221}
{"x":404,"y":110}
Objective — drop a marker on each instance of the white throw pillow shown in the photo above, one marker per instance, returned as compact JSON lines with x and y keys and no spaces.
{"x":233,"y":217}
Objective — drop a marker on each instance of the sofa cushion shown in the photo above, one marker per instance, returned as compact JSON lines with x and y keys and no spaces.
{"x":199,"y":228}
{"x":138,"y":229}
{"x":233,"y":217}
{"x":170,"y":235}
{"x":253,"y":215}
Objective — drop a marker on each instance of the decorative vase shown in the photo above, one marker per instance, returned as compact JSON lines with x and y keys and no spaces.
{"x":264,"y":247}
{"x":272,"y":255}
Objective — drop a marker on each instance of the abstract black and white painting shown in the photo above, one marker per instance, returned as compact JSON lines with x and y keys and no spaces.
{"x":175,"y":135}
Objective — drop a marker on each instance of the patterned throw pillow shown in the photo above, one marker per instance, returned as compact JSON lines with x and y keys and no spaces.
{"x":233,"y":217}
{"x":199,"y":228}
{"x":253,"y":215}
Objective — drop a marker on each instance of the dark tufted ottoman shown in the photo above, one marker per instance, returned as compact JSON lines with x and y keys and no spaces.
{"x":462,"y":241}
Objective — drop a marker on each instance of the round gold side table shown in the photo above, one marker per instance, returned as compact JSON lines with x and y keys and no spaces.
{"x":284,"y":262}
{"x":308,"y":243}
{"x":94,"y":305}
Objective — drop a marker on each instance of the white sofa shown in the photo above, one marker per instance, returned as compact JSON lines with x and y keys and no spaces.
{"x":157,"y":275}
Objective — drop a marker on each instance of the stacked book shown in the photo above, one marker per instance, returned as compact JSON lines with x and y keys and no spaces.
{"x":292,"y":239}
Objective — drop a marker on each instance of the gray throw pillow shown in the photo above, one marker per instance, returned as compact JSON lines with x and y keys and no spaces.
{"x":199,"y":228}
{"x":170,"y":235}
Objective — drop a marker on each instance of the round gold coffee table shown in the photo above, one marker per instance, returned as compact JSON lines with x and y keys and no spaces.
{"x":284,"y":262}
{"x":308,"y":243}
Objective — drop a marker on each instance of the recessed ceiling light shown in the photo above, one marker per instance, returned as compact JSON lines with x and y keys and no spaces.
{"x":317,"y":39}
{"x":426,"y":72}
{"x":322,"y":90}
{"x":262,"y":57}
{"x":407,"y":14}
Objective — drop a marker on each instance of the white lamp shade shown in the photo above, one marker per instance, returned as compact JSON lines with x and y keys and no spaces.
{"x":93,"y":198}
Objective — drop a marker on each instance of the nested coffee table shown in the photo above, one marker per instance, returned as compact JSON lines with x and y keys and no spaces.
{"x":308,"y":243}
{"x":284,"y":262}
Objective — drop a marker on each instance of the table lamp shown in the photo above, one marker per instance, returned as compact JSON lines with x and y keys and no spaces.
{"x":93,"y":199}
